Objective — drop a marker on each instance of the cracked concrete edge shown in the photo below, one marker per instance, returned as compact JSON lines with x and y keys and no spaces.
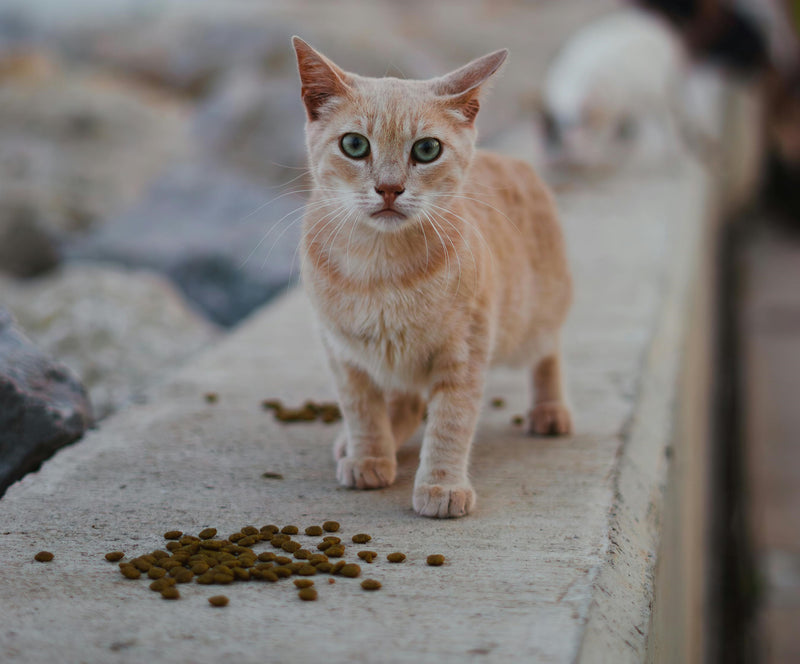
{"x":619,"y":621}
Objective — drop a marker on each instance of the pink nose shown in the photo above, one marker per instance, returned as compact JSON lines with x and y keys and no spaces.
{"x":389,"y":192}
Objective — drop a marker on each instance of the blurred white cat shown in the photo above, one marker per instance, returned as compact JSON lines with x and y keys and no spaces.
{"x":611,"y":93}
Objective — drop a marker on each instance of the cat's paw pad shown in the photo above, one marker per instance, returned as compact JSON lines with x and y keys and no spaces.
{"x":443,"y":500}
{"x":550,"y":418}
{"x":366,"y":472}
{"x":340,"y":446}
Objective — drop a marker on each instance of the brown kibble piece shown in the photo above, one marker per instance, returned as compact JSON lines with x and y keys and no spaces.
{"x":114,"y":556}
{"x":282,"y":560}
{"x":370,"y":584}
{"x":156,"y":572}
{"x":302,"y":554}
{"x":211,"y":397}
{"x":291,"y":546}
{"x":324,"y":567}
{"x":361,"y":538}
{"x":159,"y":584}
{"x":43,"y":557}
{"x":130,"y":572}
{"x":498,"y":402}
{"x":396,"y":557}
{"x":266,"y":556}
{"x":336,"y":551}
{"x":207,"y":533}
{"x":367,"y":556}
{"x":173,"y":535}
{"x":307,"y":570}
{"x":290,"y":530}
{"x":313,"y":531}
{"x":435,"y":560}
{"x":250,"y":530}
{"x":330,"y":526}
{"x":517,"y":420}
{"x":218,"y":600}
{"x":324,"y":544}
{"x":307,"y":594}
{"x":170,"y":592}
{"x":272,"y":476}
{"x":338,"y":567}
{"x":303,"y":583}
{"x":350,"y":570}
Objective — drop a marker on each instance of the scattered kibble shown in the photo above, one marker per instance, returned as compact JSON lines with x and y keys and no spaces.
{"x":290,"y":530}
{"x":367,"y":556}
{"x":43,"y":557}
{"x":218,"y":600}
{"x":170,"y":592}
{"x":361,"y":538}
{"x":370,"y":584}
{"x":130,"y":572}
{"x":303,"y":583}
{"x":396,"y":557}
{"x":313,"y":531}
{"x":211,"y":397}
{"x":114,"y":556}
{"x":498,"y":402}
{"x":435,"y":559}
{"x":173,"y":535}
{"x":517,"y":420}
{"x":330,"y":526}
{"x":336,"y":551}
{"x":207,"y":533}
{"x":272,"y":476}
{"x":307,"y":594}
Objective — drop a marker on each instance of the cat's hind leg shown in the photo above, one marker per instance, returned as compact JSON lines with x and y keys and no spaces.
{"x":405,"y":413}
{"x":550,"y":414}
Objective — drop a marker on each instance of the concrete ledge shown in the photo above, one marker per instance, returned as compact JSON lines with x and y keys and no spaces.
{"x":556,"y":565}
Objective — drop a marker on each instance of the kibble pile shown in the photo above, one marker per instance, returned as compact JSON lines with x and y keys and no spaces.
{"x":209,"y":560}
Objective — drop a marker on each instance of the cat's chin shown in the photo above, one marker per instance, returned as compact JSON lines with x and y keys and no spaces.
{"x":388,"y":220}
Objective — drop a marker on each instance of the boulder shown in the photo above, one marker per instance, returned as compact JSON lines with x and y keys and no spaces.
{"x":26,"y":246}
{"x":229,"y":243}
{"x":42,"y":405}
{"x":119,"y":330}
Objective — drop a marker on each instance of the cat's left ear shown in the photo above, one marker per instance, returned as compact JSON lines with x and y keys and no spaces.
{"x":322,"y":80}
{"x":462,"y":87}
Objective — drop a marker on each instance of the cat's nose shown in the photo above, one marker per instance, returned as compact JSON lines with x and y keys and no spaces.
{"x":389,"y":192}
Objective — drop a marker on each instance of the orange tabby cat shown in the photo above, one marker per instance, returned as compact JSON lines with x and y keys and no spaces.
{"x":426,"y":262}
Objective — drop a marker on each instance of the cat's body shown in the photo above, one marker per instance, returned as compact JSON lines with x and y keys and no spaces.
{"x":424,"y":271}
{"x":612,"y":92}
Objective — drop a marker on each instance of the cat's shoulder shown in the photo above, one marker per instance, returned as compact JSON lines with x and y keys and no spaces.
{"x":490,"y":166}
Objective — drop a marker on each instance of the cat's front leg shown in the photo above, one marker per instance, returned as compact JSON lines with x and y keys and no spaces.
{"x":442,"y":488}
{"x":366,"y":459}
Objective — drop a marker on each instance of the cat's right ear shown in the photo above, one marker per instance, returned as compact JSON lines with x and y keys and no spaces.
{"x":322,"y":80}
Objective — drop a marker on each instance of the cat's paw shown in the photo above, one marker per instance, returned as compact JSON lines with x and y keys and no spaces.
{"x":550,"y":418}
{"x":366,"y":472}
{"x":443,"y":500}
{"x":340,"y":446}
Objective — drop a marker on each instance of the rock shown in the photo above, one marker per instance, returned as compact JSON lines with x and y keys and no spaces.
{"x":42,"y":405}
{"x":255,"y":122}
{"x":119,"y":330}
{"x":26,"y":248}
{"x":76,"y":148}
{"x":229,"y":244}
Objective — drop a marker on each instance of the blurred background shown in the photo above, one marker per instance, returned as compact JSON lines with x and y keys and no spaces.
{"x":152,"y":182}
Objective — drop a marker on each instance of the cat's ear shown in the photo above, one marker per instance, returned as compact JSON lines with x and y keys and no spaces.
{"x":462,"y":87}
{"x":322,"y":80}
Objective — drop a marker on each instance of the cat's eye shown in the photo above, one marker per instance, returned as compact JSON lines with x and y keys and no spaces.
{"x":426,"y":150}
{"x":354,"y":145}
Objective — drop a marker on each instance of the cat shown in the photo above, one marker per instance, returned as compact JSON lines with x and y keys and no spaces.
{"x":612,"y":93}
{"x":425,"y":261}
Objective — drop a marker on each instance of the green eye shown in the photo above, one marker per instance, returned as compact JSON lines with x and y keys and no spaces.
{"x":426,"y":150}
{"x":354,"y":146}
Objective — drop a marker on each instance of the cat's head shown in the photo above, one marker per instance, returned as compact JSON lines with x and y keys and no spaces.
{"x":384,"y":150}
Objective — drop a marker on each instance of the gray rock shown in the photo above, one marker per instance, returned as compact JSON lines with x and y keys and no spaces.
{"x":77,"y":148}
{"x":228,"y":243}
{"x":119,"y":330}
{"x":255,"y":122}
{"x":42,"y":405}
{"x":26,"y":247}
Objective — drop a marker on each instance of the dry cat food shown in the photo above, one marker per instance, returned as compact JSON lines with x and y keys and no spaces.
{"x":209,"y":560}
{"x":211,"y":397}
{"x":517,"y":420}
{"x":310,"y":411}
{"x":498,"y":402}
{"x":43,"y":557}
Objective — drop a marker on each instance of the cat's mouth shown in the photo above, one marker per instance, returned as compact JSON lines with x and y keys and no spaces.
{"x":388,"y":213}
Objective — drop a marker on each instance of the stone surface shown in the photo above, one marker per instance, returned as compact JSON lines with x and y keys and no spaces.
{"x":26,"y":247}
{"x":59,"y":132}
{"x":555,"y":565}
{"x":227,"y":242}
{"x":118,"y":330}
{"x":42,"y":405}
